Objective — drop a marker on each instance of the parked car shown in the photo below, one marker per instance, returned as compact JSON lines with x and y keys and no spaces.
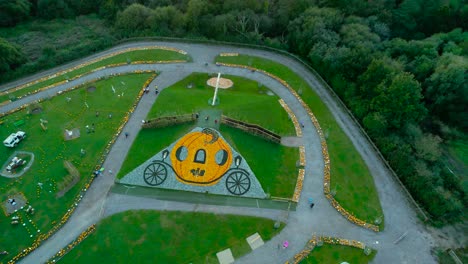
{"x":12,"y":140}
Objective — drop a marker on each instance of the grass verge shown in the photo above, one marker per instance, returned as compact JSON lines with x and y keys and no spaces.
{"x":337,"y":254}
{"x":168,"y":237}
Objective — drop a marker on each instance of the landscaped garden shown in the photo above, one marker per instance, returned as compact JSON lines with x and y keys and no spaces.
{"x":274,"y":165}
{"x":68,"y":135}
{"x":351,"y":181}
{"x":137,"y":55}
{"x":328,"y":253}
{"x":168,"y":237}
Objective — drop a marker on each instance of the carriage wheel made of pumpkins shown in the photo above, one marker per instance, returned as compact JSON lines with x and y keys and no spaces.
{"x":238,"y":182}
{"x":155,"y":174}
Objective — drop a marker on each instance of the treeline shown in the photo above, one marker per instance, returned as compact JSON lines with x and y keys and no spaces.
{"x":399,"y":65}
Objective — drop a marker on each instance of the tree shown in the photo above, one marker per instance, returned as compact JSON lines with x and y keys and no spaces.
{"x":13,"y":11}
{"x":196,"y":9}
{"x":420,"y":18}
{"x":50,"y":9}
{"x":447,"y":90}
{"x":133,"y":19}
{"x":305,"y":31}
{"x":400,"y":102}
{"x":379,"y":71}
{"x":10,"y":56}
{"x":426,"y":146}
{"x":166,"y":20}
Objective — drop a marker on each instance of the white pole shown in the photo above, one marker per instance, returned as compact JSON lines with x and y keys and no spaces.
{"x":216,"y":89}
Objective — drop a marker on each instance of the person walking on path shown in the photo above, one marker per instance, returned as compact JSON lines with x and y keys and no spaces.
{"x":126,"y":134}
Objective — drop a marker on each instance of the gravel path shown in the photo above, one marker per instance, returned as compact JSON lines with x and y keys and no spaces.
{"x":302,"y":224}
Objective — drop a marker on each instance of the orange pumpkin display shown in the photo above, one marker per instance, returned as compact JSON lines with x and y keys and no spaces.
{"x":201,"y":157}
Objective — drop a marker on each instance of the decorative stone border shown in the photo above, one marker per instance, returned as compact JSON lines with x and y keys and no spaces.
{"x":42,"y":237}
{"x":311,"y":244}
{"x":73,"y":244}
{"x":326,"y":157}
{"x":298,"y":189}
{"x":293,"y":117}
{"x":302,"y":160}
{"x":100,"y":68}
{"x":227,"y":54}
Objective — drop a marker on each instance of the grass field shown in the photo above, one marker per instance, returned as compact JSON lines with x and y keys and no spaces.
{"x":50,"y":150}
{"x":350,"y":177}
{"x":131,"y":56}
{"x":168,"y":237}
{"x":246,"y":101}
{"x":337,"y":254}
{"x":273,"y":164}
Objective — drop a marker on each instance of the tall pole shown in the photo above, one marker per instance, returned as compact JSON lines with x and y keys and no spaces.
{"x":216,"y":90}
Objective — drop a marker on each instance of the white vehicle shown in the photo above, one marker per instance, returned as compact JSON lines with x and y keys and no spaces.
{"x":12,"y":140}
{"x":15,"y":163}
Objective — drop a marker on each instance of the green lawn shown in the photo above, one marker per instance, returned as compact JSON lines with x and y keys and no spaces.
{"x":168,"y":237}
{"x":149,"y":142}
{"x":273,"y":164}
{"x":246,"y":101}
{"x":51,"y":150}
{"x":331,"y":254}
{"x":131,"y":56}
{"x":350,"y":177}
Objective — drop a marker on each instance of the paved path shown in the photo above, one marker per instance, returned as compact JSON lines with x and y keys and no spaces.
{"x":302,"y":224}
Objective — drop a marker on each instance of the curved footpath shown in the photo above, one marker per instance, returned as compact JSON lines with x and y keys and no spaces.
{"x":302,"y":224}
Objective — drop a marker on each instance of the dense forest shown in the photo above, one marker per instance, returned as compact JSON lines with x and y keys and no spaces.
{"x":399,"y":65}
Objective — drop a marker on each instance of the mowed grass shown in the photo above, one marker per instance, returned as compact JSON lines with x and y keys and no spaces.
{"x":130,"y":56}
{"x":274,"y":165}
{"x":168,"y":237}
{"x":246,"y":101}
{"x":149,"y":142}
{"x":50,"y":150}
{"x":350,"y":177}
{"x":337,"y":254}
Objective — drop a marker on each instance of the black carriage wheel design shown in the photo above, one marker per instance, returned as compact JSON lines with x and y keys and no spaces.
{"x":238,"y":183}
{"x":155,"y":174}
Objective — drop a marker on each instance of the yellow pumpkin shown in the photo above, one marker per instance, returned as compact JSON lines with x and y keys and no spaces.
{"x":201,"y":157}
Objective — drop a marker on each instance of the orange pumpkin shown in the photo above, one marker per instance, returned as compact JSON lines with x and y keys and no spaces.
{"x":201,"y":157}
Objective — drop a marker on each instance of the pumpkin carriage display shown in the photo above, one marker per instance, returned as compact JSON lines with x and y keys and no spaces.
{"x":200,"y":158}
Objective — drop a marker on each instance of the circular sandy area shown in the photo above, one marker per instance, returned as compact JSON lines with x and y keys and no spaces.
{"x":223,"y":83}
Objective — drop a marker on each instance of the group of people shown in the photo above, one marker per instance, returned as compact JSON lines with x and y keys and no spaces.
{"x":146,"y":90}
